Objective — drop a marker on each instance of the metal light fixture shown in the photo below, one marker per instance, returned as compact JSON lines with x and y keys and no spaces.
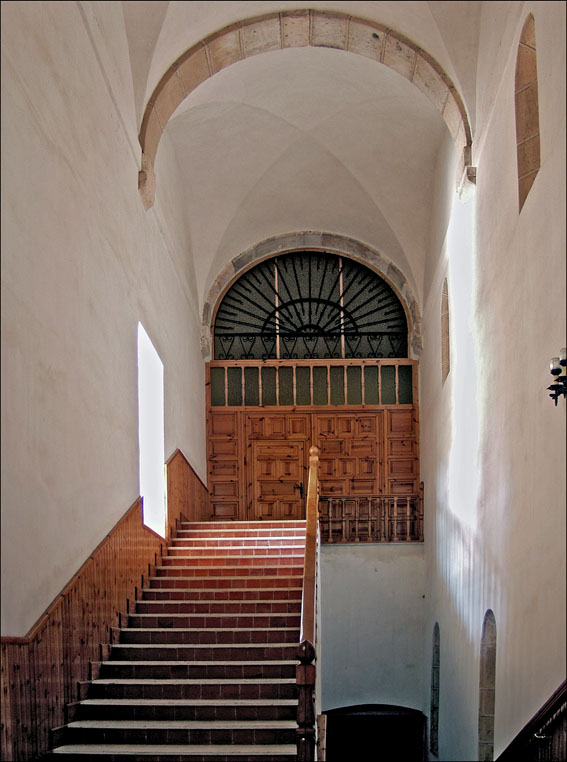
{"x":558,"y":369}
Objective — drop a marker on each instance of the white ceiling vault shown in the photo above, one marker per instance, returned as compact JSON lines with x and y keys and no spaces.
{"x":305,"y":138}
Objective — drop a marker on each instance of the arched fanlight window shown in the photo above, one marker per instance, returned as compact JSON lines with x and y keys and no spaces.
{"x":308,"y":305}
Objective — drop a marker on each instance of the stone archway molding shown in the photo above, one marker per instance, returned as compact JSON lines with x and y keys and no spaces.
{"x":313,"y":241}
{"x":291,"y":29}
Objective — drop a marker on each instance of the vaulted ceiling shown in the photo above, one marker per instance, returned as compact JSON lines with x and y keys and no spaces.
{"x":306,"y":138}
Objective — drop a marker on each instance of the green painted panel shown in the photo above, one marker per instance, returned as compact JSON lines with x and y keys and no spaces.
{"x":405,"y":390}
{"x":234,"y":377}
{"x":286,"y":386}
{"x":269,"y":386}
{"x":388,"y":385}
{"x":371,"y":385}
{"x":217,"y":387}
{"x":354,"y":386}
{"x":251,"y":386}
{"x":337,"y":385}
{"x":320,"y":390}
{"x":302,"y":390}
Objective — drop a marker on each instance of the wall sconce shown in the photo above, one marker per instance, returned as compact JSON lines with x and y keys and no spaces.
{"x":558,"y":369}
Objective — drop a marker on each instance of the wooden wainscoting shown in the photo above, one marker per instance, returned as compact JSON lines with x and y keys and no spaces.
{"x":187,"y":496}
{"x":40,"y":672}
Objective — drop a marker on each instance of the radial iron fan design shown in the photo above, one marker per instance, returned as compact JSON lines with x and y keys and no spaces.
{"x":310,"y":305}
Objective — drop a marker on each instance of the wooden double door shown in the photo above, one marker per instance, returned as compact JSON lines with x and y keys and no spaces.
{"x":258,"y":459}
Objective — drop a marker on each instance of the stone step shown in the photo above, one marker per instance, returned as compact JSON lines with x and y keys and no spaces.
{"x":174,"y":579}
{"x":174,"y":567}
{"x":177,"y":731}
{"x":210,"y":670}
{"x":217,"y":607}
{"x":264,"y":560}
{"x":215,"y":594}
{"x":184,"y":709}
{"x":203,"y":635}
{"x":229,"y":551}
{"x":203,"y":652}
{"x":236,"y":621}
{"x":275,"y":688}
{"x":194,"y":539}
{"x":176,"y":753}
{"x":239,"y":526}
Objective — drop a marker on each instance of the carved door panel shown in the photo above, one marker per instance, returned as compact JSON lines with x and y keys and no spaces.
{"x":351,"y":452}
{"x":277,"y":470}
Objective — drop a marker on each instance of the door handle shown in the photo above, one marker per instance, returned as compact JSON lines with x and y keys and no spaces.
{"x":300,"y":488}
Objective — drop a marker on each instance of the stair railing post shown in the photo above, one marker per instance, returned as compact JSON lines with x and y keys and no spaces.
{"x":305,"y":673}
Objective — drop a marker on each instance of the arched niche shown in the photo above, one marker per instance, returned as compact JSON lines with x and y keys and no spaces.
{"x":292,"y":29}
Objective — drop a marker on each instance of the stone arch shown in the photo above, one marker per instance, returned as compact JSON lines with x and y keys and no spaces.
{"x":291,"y":29}
{"x":313,"y":241}
{"x":527,"y":111}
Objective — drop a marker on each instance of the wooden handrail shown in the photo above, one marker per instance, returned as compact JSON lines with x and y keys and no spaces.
{"x":307,"y":630}
{"x":305,"y":675}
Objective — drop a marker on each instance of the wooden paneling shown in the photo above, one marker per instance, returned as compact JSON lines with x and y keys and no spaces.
{"x":225,"y":472}
{"x":366,"y":449}
{"x":40,"y":672}
{"x":351,"y":447}
{"x":277,"y":470}
{"x":187,"y":496}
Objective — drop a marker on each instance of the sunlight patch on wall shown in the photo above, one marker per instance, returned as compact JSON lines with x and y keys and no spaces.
{"x":464,"y":478}
{"x":151,"y":432}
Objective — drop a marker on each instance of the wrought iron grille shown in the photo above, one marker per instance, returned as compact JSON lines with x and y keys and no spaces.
{"x":310,"y":305}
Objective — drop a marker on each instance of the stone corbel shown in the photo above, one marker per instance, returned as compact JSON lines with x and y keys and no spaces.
{"x":147,"y":182}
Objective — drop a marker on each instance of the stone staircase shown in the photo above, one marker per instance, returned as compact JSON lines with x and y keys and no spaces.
{"x":206,"y":667}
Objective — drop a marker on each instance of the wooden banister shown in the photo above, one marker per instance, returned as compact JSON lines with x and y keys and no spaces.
{"x":306,"y":652}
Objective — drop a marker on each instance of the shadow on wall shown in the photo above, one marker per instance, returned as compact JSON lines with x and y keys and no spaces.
{"x":375,"y":732}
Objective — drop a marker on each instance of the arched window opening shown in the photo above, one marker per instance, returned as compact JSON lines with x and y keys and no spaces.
{"x":445,"y":336}
{"x":527,"y":111}
{"x":310,"y":305}
{"x":434,"y":707}
{"x":487,"y":684}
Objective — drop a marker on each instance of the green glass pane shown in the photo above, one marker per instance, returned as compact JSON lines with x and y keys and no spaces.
{"x":302,"y":390}
{"x":269,"y":386}
{"x":217,"y":387}
{"x":337,"y":385}
{"x":388,"y":385}
{"x":320,"y":391}
{"x":405,"y":390}
{"x":354,"y":386}
{"x":371,"y":385}
{"x":286,"y":386}
{"x":234,"y":386}
{"x":251,"y":387}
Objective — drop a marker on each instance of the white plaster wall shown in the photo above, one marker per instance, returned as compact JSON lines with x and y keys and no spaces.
{"x":492,"y":442}
{"x":81,"y":264}
{"x":372,"y":617}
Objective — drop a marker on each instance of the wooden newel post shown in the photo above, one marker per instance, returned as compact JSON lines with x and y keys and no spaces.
{"x":305,"y":673}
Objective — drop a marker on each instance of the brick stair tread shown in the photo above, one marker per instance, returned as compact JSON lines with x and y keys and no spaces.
{"x":206,"y":663}
{"x":184,"y":724}
{"x":162,"y":749}
{"x":188,"y":702}
{"x":194,"y":681}
{"x":197,"y":629}
{"x":199,"y":645}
